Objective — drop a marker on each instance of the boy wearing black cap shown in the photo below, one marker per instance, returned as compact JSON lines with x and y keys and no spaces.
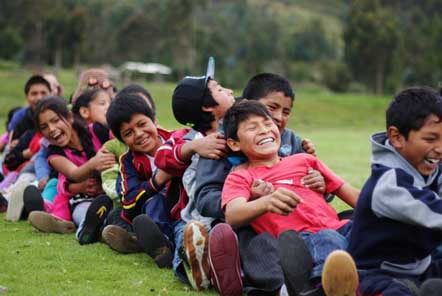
{"x":200,"y":102}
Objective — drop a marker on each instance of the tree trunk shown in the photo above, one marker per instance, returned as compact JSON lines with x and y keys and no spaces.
{"x":379,"y":77}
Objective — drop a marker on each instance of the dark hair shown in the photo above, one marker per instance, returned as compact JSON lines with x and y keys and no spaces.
{"x":58,"y":106}
{"x":263,"y":84}
{"x":411,"y":107}
{"x":121,"y":110}
{"x":36,"y":79}
{"x":240,"y":112}
{"x":206,"y":118}
{"x":84,"y":100}
{"x":135,"y":89}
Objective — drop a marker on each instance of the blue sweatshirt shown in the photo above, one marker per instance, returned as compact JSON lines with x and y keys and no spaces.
{"x":398,"y":218}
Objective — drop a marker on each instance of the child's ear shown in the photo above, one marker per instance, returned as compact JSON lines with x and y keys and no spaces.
{"x":208,"y":109}
{"x":233,"y":145}
{"x":84,"y":112}
{"x":396,"y":139}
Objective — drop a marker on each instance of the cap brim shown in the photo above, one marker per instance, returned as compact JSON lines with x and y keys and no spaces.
{"x":210,"y":73}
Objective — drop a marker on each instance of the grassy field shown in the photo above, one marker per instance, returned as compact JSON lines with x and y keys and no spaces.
{"x":33,"y":263}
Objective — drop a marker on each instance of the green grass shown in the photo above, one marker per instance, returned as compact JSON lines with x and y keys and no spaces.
{"x":33,"y":263}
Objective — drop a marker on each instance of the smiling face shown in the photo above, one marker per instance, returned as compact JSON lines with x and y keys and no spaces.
{"x":140,"y":134}
{"x":280,"y":106}
{"x":423,"y":147}
{"x":57,"y":130}
{"x":258,"y":139}
{"x":36,"y":93}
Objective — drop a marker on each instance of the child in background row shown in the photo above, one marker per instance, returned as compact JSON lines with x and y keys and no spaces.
{"x":75,"y":152}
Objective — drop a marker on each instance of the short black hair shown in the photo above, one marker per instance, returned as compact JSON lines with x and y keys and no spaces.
{"x":134,"y":89}
{"x":36,"y":79}
{"x":239,"y":112}
{"x":121,"y":110}
{"x":411,"y":107}
{"x":260,"y":85}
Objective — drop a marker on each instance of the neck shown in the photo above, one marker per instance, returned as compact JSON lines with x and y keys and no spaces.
{"x":75,"y":142}
{"x":158,"y":143}
{"x":267,"y":162}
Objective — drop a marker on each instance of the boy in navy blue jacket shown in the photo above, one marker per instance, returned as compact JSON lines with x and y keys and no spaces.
{"x":398,"y":219}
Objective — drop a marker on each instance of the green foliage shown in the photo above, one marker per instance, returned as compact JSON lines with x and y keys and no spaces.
{"x":371,"y":36}
{"x":336,"y":76}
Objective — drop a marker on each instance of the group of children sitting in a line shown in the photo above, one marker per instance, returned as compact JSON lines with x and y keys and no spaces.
{"x":236,"y":201}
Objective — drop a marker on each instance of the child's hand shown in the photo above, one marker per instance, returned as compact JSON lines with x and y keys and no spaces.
{"x":314,"y":181}
{"x":161,"y":177}
{"x":261,"y":188}
{"x":283,"y":201}
{"x":42,"y":183}
{"x":212,"y":146}
{"x":308,"y":147}
{"x":93,"y":187}
{"x":103,"y":160}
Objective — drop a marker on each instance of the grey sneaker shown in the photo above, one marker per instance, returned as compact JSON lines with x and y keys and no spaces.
{"x":45,"y":222}
{"x":120,"y":240}
{"x":15,"y":202}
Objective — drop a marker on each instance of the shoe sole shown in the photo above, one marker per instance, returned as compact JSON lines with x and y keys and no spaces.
{"x":152,"y":241}
{"x":339,"y":275}
{"x":225,"y":261}
{"x":95,"y":216}
{"x":296,"y":261}
{"x":15,"y":204}
{"x":120,"y":240}
{"x":47,"y":223}
{"x":196,"y":245}
{"x":32,"y":199}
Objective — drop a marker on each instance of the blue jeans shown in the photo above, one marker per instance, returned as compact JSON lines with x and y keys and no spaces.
{"x":157,"y":210}
{"x":322,"y":243}
{"x":178,"y":268}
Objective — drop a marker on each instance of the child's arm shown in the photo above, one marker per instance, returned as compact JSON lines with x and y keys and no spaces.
{"x":101,"y":161}
{"x":348,"y":194}
{"x":89,"y":186}
{"x":135,"y":192}
{"x":240,"y":212}
{"x":174,"y":156}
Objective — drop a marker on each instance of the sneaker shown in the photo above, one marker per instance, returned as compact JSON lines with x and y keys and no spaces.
{"x":431,"y":287}
{"x":32,"y":199}
{"x":153,"y":241}
{"x":339,"y":275}
{"x":296,"y":261}
{"x":15,"y":204}
{"x":120,"y":240}
{"x":94,"y":219}
{"x":47,"y":223}
{"x":3,"y":204}
{"x":224,"y":260}
{"x":195,"y":247}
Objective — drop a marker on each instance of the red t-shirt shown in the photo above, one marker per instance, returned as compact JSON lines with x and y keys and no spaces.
{"x":313,"y":214}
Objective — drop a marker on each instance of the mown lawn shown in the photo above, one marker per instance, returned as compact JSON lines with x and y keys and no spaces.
{"x":33,"y":263}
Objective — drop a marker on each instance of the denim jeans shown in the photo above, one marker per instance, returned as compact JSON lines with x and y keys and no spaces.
{"x":178,"y":268}
{"x":322,"y":243}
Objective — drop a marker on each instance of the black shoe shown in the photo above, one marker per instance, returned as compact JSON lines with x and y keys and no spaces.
{"x":152,"y":240}
{"x":431,"y":287}
{"x":32,"y":199}
{"x":95,"y":216}
{"x":296,"y":261}
{"x":3,"y":204}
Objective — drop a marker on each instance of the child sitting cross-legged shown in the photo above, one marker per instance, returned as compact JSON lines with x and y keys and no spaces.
{"x":286,"y":205}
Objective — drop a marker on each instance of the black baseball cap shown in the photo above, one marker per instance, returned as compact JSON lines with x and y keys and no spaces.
{"x":188,"y":96}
